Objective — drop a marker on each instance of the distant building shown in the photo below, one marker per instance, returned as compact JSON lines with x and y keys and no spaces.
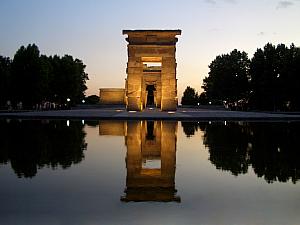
{"x":112,"y":96}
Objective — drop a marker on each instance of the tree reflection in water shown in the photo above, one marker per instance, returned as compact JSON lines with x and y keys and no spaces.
{"x":31,"y":145}
{"x":271,"y":148}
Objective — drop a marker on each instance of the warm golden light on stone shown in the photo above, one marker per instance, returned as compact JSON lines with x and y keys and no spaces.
{"x":150,"y":158}
{"x":151,"y":141}
{"x":151,"y":72}
{"x":151,"y":85}
{"x":112,"y":96}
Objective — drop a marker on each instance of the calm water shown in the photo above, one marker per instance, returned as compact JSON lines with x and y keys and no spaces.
{"x":149,"y":172}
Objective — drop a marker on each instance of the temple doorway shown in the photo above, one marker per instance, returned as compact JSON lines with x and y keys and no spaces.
{"x":150,"y":95}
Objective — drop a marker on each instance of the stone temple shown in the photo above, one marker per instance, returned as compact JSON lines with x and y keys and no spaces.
{"x":151,"y":72}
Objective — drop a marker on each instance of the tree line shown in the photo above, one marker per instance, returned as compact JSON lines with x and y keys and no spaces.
{"x":31,"y":79}
{"x":268,"y":81}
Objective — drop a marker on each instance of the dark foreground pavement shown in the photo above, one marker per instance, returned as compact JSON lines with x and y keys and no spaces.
{"x":154,"y":114}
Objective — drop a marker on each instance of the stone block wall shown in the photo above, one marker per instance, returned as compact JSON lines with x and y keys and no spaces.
{"x":112,"y":96}
{"x":153,"y":45}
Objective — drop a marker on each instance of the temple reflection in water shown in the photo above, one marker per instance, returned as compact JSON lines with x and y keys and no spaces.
{"x":150,"y":158}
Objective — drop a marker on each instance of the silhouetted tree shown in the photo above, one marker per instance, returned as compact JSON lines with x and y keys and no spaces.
{"x":68,"y":79}
{"x":32,"y":78}
{"x":266,"y":77}
{"x":92,"y":99}
{"x":228,"y":77}
{"x":5,"y":78}
{"x":190,"y":96}
{"x":293,"y":78}
{"x":274,"y":72}
{"x":203,"y":100}
{"x":27,"y":77}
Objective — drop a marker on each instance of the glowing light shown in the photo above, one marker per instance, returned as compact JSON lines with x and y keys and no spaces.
{"x":83,"y":101}
{"x":68,"y":99}
{"x":68,"y":123}
{"x":209,"y":103}
{"x":171,"y":112}
{"x":225,"y":122}
{"x":209,"y":122}
{"x":119,"y":110}
{"x":132,"y":111}
{"x":82,"y":121}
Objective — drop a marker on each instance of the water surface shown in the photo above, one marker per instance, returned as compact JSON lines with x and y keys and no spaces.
{"x":149,"y":172}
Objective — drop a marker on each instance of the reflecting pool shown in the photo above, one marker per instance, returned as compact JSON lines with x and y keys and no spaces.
{"x":149,"y":172}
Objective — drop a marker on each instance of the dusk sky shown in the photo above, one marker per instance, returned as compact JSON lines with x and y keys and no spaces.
{"x":91,"y":30}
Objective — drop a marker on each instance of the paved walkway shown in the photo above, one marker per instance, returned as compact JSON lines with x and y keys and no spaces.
{"x":154,"y":114}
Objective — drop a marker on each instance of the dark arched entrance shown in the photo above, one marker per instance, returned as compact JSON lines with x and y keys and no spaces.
{"x":150,"y":94}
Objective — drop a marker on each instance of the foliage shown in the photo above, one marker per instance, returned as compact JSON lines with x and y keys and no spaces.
{"x":270,"y":81}
{"x":68,"y":79}
{"x":228,"y":77}
{"x":275,"y":78}
{"x":27,"y":77}
{"x":203,"y":100}
{"x":5,"y":86}
{"x":190,"y":96}
{"x":32,"y":78}
{"x":92,"y":99}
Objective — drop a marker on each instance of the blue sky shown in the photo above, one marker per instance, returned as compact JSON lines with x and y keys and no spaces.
{"x":91,"y":30}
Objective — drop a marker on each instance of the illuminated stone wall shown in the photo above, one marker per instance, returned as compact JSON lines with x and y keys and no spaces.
{"x":151,"y":46}
{"x":112,"y":96}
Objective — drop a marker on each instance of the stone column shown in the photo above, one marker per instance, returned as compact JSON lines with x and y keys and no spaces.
{"x":158,"y":93}
{"x":168,"y":81}
{"x":134,"y":81}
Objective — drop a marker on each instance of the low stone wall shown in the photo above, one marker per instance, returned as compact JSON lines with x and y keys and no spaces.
{"x":112,"y":96}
